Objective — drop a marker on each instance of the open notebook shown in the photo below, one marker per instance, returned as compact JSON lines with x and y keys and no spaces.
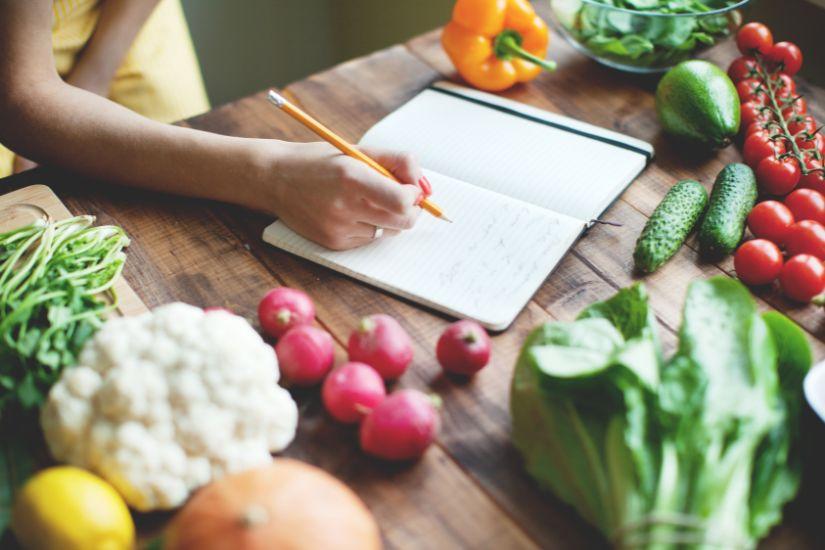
{"x":521,"y":185}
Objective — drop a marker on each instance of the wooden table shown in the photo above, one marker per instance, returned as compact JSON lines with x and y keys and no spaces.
{"x":469,"y":491}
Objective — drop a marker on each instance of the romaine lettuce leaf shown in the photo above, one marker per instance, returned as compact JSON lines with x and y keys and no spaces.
{"x":698,"y":450}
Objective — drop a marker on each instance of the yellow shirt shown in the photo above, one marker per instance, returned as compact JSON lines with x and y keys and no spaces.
{"x":159,"y":77}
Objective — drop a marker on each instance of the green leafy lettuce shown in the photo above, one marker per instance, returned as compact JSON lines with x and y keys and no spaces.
{"x":640,"y":39}
{"x":699,"y":450}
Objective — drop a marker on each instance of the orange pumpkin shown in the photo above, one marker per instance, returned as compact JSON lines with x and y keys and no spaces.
{"x":288,"y":505}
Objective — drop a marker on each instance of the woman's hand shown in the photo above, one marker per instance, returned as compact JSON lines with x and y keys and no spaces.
{"x":338,"y":201}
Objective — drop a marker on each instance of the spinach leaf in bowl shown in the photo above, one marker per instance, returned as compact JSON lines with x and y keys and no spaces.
{"x":644,"y":33}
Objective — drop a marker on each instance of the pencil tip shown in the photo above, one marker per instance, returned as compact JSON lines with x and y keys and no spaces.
{"x":446,"y":219}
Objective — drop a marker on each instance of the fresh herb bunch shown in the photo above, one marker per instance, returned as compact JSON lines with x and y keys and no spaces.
{"x":642,"y":40}
{"x":56,"y":282}
{"x":701,"y":450}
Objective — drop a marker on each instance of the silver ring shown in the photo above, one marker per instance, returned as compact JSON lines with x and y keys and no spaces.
{"x":378,"y":233}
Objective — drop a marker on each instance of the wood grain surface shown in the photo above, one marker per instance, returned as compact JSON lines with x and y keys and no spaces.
{"x":470,"y":490}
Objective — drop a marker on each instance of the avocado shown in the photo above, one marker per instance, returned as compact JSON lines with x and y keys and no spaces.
{"x":697,"y":102}
{"x":669,"y":225}
{"x":733,"y":196}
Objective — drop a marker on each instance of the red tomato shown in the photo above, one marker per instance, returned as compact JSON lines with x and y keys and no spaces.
{"x":754,"y":112}
{"x":815,"y":143}
{"x":785,"y":55}
{"x":751,"y":89}
{"x":759,"y":126}
{"x":758,"y":262}
{"x":778,"y":177}
{"x":770,"y":220}
{"x":806,"y":237}
{"x":742,"y":68}
{"x":785,"y":85}
{"x":800,"y":123}
{"x":802,"y":278}
{"x":806,"y":204}
{"x":754,"y":36}
{"x":798,"y":107}
{"x":815,"y":179}
{"x":759,"y":146}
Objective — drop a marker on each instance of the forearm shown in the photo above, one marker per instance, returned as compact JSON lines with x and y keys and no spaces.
{"x":119,"y":23}
{"x":74,"y":129}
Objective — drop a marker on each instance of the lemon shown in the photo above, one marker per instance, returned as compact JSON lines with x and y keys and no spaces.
{"x":69,"y":508}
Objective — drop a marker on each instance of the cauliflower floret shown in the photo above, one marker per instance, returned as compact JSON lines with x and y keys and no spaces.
{"x":165,"y":402}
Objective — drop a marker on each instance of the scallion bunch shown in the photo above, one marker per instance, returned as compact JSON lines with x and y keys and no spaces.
{"x":56,"y":288}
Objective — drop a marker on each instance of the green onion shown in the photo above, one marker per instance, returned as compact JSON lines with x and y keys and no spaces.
{"x":56,"y":289}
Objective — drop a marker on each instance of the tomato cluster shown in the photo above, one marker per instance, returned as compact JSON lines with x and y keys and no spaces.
{"x":781,"y":140}
{"x":797,"y":226}
{"x":784,"y":146}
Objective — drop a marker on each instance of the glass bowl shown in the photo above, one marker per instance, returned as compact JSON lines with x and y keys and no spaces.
{"x":643,"y":41}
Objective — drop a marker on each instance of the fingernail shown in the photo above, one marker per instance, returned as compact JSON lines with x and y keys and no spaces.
{"x":425,"y":186}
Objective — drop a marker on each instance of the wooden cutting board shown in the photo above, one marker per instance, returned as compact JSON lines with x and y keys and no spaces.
{"x":43,"y":197}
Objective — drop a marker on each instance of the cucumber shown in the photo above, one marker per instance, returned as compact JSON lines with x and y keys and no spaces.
{"x":733,"y":196}
{"x":670,"y":225}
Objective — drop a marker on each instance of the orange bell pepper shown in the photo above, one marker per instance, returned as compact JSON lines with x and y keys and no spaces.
{"x":495,"y":44}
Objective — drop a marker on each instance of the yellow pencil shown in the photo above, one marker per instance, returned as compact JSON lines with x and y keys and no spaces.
{"x":342,"y":145}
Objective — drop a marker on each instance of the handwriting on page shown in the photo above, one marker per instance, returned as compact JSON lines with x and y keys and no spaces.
{"x":485,"y":266}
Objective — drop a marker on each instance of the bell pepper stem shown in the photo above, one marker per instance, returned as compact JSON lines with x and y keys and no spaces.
{"x":508,"y":45}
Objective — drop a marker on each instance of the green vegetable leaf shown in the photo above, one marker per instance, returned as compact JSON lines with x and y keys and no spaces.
{"x":643,"y":4}
{"x":54,"y":288}
{"x":18,"y":454}
{"x":572,"y":350}
{"x":795,"y":357}
{"x":724,"y":337}
{"x":701,"y":452}
{"x":579,"y":398}
{"x":778,"y":465}
{"x":628,"y":311}
{"x":642,"y":40}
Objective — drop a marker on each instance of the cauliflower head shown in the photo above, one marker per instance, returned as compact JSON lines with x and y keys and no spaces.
{"x":165,"y":402}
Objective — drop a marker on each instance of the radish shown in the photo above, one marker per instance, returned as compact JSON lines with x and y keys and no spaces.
{"x":401,"y":427}
{"x":351,"y":391}
{"x":284,"y":308}
{"x":305,"y":355}
{"x":383,"y":344}
{"x":464,"y":348}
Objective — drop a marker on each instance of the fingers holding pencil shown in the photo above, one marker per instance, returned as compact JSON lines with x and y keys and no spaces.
{"x":403,"y":166}
{"x":348,"y":149}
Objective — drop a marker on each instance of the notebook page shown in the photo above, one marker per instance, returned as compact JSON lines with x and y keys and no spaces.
{"x":549,"y":167}
{"x":485,"y":266}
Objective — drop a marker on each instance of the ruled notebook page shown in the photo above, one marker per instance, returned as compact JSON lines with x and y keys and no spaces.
{"x":485,"y":266}
{"x":546,"y":166}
